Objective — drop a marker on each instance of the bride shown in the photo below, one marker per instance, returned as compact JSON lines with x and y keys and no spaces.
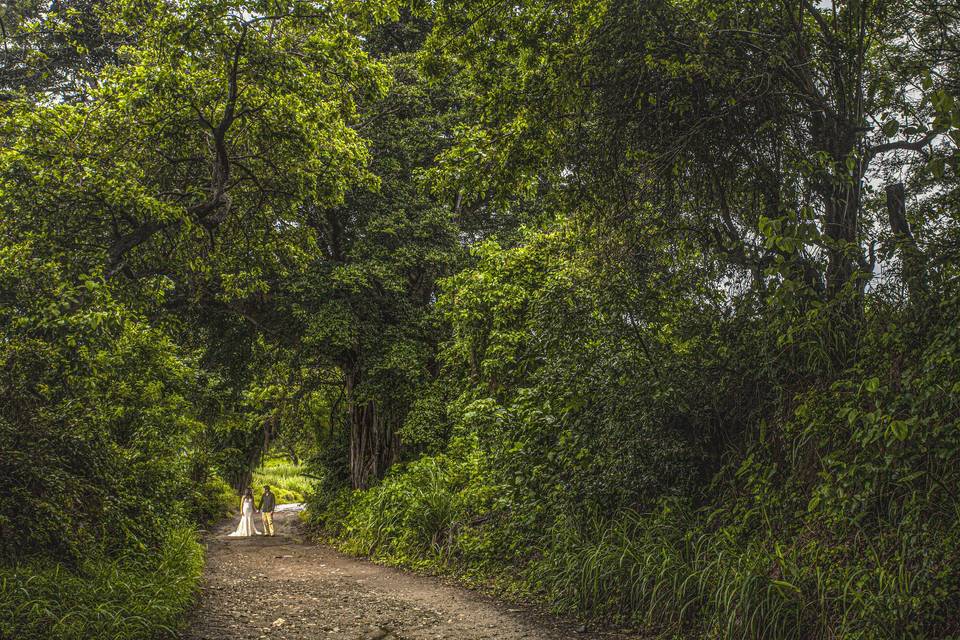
{"x":246,"y":527}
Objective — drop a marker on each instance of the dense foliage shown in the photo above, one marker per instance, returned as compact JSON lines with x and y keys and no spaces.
{"x":647,"y":309}
{"x":709,"y":386}
{"x":159,"y":165}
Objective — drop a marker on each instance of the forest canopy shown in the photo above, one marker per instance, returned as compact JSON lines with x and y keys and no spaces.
{"x":646,"y":308}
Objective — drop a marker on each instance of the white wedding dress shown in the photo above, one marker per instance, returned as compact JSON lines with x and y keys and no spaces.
{"x":246,"y":527}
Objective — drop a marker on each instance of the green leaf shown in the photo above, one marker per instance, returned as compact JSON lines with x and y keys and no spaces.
{"x":899,"y":429}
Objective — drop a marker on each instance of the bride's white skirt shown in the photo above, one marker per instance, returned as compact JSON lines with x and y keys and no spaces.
{"x":246,"y":527}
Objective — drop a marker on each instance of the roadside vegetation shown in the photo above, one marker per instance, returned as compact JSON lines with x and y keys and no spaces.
{"x":708,"y":387}
{"x":132,"y":596}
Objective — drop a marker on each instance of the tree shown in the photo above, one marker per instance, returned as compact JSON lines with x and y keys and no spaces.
{"x":366,"y":302}
{"x":181,"y":176}
{"x":738,"y":116}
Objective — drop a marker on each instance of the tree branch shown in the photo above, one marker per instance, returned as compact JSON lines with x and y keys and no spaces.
{"x":214,"y":211}
{"x":901,"y":145}
{"x":122,"y":245}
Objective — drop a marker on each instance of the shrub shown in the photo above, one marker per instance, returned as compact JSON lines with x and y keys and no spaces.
{"x":96,"y":414}
{"x":424,"y":514}
{"x":211,"y":501}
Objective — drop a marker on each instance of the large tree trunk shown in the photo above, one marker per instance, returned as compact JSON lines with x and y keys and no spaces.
{"x":840,"y":196}
{"x":373,"y":443}
{"x":827,"y":71}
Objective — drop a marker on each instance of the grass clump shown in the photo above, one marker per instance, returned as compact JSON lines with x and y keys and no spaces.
{"x":136,"y":596}
{"x":674,"y":571}
{"x":655,"y":570}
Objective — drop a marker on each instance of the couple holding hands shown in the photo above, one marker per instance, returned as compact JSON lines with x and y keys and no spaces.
{"x":267,"y":504}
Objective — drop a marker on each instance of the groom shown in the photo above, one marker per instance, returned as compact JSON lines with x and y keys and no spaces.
{"x":267,"y":504}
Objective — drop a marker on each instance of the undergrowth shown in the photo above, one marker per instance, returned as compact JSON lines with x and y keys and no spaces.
{"x":672,"y":571}
{"x":432,"y":514}
{"x":138,"y":596}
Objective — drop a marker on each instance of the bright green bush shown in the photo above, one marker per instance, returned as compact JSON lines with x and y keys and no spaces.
{"x":97,"y":425}
{"x":428,"y":513}
{"x":211,"y":501}
{"x":96,"y":417}
{"x":139,"y":595}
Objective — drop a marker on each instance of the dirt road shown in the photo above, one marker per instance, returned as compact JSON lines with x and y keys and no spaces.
{"x":283,"y":588}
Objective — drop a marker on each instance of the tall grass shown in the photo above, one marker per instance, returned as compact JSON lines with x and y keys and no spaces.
{"x":670,"y":573}
{"x":285,"y":479}
{"x":675,"y":571}
{"x":406,"y":520}
{"x":653,"y":571}
{"x":138,"y":596}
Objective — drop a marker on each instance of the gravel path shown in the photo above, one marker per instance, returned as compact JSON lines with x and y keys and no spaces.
{"x":284,"y":588}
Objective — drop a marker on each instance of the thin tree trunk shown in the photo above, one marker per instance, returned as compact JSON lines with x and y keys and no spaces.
{"x":911,"y":256}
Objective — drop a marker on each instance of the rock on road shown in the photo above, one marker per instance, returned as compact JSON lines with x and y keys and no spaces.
{"x":283,"y":588}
